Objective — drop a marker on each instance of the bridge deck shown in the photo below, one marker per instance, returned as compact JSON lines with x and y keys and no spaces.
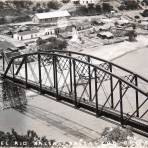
{"x":53,"y":119}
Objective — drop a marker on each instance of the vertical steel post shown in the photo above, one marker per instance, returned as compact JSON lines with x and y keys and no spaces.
{"x":3,"y":61}
{"x":26,"y":71}
{"x":137,"y":96}
{"x":96,"y":91}
{"x":75,"y":85}
{"x":89,"y":74}
{"x":56,"y":76}
{"x":40,"y":74}
{"x":13,"y":69}
{"x":121,"y":101}
{"x":111,"y":87}
{"x":70,"y":68}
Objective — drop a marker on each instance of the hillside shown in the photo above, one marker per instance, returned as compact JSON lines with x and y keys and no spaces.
{"x":17,"y":10}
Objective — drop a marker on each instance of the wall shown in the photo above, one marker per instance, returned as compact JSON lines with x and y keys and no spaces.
{"x":25,"y":37}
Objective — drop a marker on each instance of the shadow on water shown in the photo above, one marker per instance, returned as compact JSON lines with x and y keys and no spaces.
{"x":12,"y":95}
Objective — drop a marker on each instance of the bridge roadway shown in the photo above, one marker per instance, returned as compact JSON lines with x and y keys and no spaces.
{"x":54,"y":119}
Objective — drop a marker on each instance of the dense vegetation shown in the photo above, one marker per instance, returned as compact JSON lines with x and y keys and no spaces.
{"x":17,"y":11}
{"x":110,"y":137}
{"x":30,"y":139}
{"x":51,"y":43}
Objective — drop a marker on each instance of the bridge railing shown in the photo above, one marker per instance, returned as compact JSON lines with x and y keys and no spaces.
{"x":80,"y":80}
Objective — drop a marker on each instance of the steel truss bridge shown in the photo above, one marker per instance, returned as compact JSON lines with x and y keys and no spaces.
{"x":96,"y":85}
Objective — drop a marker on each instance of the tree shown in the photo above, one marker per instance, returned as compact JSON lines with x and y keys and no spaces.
{"x":50,"y":44}
{"x":53,"y":5}
{"x":98,"y":8}
{"x":65,"y":1}
{"x":132,"y":35}
{"x":39,"y":41}
{"x":131,"y":4}
{"x":106,"y":7}
{"x":2,"y":20}
{"x":1,"y":5}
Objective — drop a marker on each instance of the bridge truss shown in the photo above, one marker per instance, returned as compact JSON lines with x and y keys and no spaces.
{"x":87,"y":82}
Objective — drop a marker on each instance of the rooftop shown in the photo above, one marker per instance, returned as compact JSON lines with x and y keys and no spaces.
{"x":6,"y":45}
{"x":53,"y":14}
{"x":28,"y":32}
{"x":106,"y":33}
{"x":12,"y":41}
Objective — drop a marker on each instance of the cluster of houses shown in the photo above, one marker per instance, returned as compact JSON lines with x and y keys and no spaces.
{"x":46,"y":25}
{"x":42,"y":18}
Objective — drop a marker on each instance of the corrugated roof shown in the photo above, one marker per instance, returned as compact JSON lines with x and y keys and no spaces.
{"x":107,"y":34}
{"x":53,"y":14}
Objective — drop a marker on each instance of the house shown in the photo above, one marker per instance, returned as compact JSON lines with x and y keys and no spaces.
{"x":75,"y":1}
{"x":26,"y":35}
{"x":50,"y":17}
{"x":85,"y":2}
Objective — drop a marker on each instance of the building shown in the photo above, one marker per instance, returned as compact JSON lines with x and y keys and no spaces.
{"x":50,"y":17}
{"x":33,"y":34}
{"x":85,"y":2}
{"x":26,"y":35}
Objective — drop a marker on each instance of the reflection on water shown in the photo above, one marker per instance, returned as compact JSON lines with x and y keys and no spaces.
{"x":12,"y":96}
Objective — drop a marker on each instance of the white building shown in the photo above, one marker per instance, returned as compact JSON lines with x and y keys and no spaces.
{"x":25,"y":35}
{"x":50,"y":17}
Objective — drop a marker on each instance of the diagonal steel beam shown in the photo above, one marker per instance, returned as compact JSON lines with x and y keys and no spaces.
{"x":85,"y":87}
{"x":20,"y":66}
{"x":100,"y":85}
{"x":8,"y":67}
{"x":123,"y":93}
{"x":144,"y":114}
{"x":136,"y":110}
{"x":109,"y":96}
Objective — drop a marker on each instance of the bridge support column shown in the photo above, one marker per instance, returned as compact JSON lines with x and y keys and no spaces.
{"x":89,"y":74}
{"x":111,"y":88}
{"x":70,"y":69}
{"x":55,"y":76}
{"x":26,"y":72}
{"x":3,"y":61}
{"x":96,"y":93}
{"x":137,"y":96}
{"x":121,"y":102}
{"x":75,"y":84}
{"x":40,"y":73}
{"x":13,"y":69}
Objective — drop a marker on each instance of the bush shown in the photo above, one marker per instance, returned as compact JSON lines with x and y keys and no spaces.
{"x":53,"y":4}
{"x":131,"y":4}
{"x":51,"y":43}
{"x":106,"y":7}
{"x":145,"y":13}
{"x":146,"y":2}
{"x":117,"y":134}
{"x":98,"y":8}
